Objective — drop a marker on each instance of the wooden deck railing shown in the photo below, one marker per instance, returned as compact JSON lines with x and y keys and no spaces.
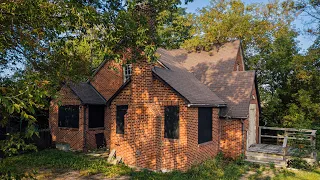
{"x":290,"y":134}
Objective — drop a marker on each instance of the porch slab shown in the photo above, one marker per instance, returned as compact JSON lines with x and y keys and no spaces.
{"x":266,"y":148}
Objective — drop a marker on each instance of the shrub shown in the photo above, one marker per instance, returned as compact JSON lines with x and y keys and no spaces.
{"x":299,"y":163}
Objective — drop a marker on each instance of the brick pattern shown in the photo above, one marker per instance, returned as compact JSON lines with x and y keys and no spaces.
{"x":108,"y":79}
{"x":198,"y":153}
{"x":74,"y":136}
{"x":231,"y":141}
{"x":143,"y":143}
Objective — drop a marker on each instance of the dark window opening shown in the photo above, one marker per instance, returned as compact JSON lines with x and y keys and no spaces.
{"x":96,"y":116}
{"x":121,"y":112}
{"x":100,"y":140}
{"x":204,"y":125}
{"x":69,"y":116}
{"x":171,"y":122}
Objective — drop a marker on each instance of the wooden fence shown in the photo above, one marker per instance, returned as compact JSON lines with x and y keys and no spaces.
{"x":303,"y":135}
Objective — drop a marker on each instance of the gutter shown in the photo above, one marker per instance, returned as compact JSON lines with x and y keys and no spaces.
{"x":207,"y":105}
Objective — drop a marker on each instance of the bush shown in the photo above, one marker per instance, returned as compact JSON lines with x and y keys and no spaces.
{"x":299,"y":163}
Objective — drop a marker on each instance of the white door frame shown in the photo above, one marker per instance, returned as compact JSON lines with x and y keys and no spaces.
{"x":252,"y":129}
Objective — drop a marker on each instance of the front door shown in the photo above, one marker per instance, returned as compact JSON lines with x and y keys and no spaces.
{"x":252,"y":130}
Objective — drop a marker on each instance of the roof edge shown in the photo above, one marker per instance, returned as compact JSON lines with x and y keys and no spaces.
{"x":69,"y":86}
{"x":97,"y":92}
{"x":233,"y":117}
{"x":163,"y":81}
{"x":207,"y":105}
{"x":118,"y":92}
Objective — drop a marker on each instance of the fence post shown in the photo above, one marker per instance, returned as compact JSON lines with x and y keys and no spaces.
{"x":313,"y":146}
{"x":259,"y":134}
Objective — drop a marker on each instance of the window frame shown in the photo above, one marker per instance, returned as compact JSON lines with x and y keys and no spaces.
{"x":127,"y":72}
{"x":120,"y":129}
{"x":202,"y":125}
{"x":90,"y":124}
{"x":171,"y":129}
{"x":69,"y":124}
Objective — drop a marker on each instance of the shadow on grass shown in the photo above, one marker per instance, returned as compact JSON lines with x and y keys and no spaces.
{"x":217,"y":168}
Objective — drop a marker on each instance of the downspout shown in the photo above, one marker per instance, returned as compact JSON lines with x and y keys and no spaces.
{"x":84,"y":128}
{"x":242,"y":134}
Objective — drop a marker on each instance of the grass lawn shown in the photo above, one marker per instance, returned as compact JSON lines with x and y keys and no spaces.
{"x":58,"y":164}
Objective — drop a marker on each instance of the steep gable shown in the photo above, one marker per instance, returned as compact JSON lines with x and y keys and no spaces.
{"x":222,"y":71}
{"x":108,"y":78}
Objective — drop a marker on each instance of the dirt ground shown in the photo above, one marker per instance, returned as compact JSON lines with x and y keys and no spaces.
{"x":71,"y":175}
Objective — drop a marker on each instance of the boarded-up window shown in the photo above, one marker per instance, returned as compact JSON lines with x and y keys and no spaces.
{"x":69,"y":116}
{"x":171,"y":122}
{"x":96,"y":116}
{"x":204,"y":125}
{"x":121,"y":112}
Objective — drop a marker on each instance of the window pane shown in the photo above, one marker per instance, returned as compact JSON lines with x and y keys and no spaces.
{"x":69,"y":116}
{"x":127,"y":71}
{"x":204,"y":125}
{"x":96,"y":116}
{"x":121,"y":112}
{"x":171,"y":123}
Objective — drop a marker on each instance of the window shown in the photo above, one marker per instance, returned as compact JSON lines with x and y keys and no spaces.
{"x":96,"y":116}
{"x":171,"y":122}
{"x":121,"y":111}
{"x":127,"y":71}
{"x":204,"y":125}
{"x":69,"y":116}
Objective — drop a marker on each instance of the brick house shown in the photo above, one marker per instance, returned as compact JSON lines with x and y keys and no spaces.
{"x":171,"y":114}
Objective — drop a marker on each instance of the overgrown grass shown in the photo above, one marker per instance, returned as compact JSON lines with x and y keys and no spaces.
{"x":297,"y":175}
{"x":60,"y":161}
{"x":217,"y":168}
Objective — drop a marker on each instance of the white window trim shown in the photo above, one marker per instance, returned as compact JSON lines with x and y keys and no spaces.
{"x":127,"y":72}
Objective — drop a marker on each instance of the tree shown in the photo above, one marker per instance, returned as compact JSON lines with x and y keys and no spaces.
{"x":311,"y":9}
{"x":255,"y":24}
{"x":303,"y":109}
{"x":175,"y":29}
{"x":48,"y":42}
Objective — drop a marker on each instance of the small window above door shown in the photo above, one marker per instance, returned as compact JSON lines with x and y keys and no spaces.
{"x":127,"y":72}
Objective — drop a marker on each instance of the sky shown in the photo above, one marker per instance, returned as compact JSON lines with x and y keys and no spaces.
{"x":304,"y":41}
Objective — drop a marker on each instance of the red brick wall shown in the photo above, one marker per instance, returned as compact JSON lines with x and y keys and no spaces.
{"x":231,"y":135}
{"x":231,"y":141}
{"x":200,"y":152}
{"x":143,"y":143}
{"x":74,"y":136}
{"x":108,"y":79}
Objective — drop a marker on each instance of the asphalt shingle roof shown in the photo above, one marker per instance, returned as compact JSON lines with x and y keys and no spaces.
{"x":215,"y":71}
{"x":87,"y":93}
{"x":185,"y":83}
{"x":235,"y":89}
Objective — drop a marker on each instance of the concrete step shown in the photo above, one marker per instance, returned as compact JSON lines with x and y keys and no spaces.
{"x":264,"y":155}
{"x":277,"y":164}
{"x":265,"y":159}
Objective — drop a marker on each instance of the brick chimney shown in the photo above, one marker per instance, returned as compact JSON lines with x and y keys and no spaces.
{"x":141,"y":80}
{"x":146,"y":10}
